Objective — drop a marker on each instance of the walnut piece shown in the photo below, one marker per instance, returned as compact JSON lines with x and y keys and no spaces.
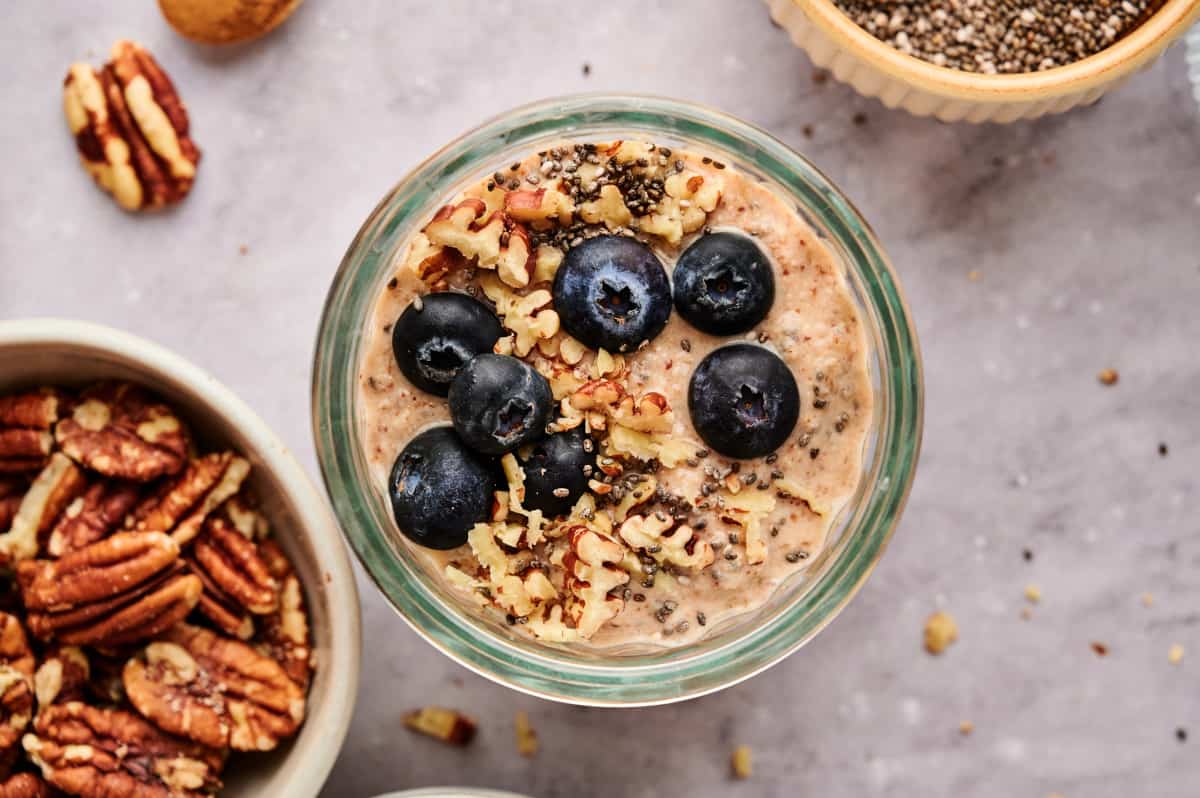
{"x":109,"y":753}
{"x":592,"y":572}
{"x":120,"y":430}
{"x":690,"y":197}
{"x":121,"y":589}
{"x":131,"y":129}
{"x":529,"y":317}
{"x":214,"y":690}
{"x":748,"y":509}
{"x":448,"y":725}
{"x":940,"y":632}
{"x":658,"y":535}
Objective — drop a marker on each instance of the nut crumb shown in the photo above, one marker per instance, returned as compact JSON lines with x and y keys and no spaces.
{"x":1100,"y":649}
{"x":447,"y":725}
{"x":527,"y":739}
{"x":1108,"y":376}
{"x":742,"y":762}
{"x":1026,"y":614}
{"x":974,"y":275}
{"x":243,"y":250}
{"x":1033,"y":594}
{"x":1147,"y":599}
{"x":965,"y":728}
{"x":1175,"y":654}
{"x":940,"y":632}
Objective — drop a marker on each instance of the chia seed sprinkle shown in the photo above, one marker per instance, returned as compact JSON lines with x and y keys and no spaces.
{"x":999,"y":36}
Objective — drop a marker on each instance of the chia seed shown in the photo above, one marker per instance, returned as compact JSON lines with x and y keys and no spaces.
{"x":999,"y":36}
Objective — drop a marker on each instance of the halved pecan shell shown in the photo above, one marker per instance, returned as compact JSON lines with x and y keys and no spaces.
{"x":214,"y":690}
{"x":109,"y":753}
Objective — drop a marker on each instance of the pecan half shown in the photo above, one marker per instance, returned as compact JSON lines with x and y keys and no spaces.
{"x":55,"y":487}
{"x":92,"y":516}
{"x":237,"y":582}
{"x":119,"y":590}
{"x":16,"y":682}
{"x":131,"y":129}
{"x":182,"y":506}
{"x":25,"y":785}
{"x":62,"y":676}
{"x":12,"y":490}
{"x":284,"y":634}
{"x":120,"y":430}
{"x":31,"y":410}
{"x":24,"y":449}
{"x":109,"y":753}
{"x":214,"y":690}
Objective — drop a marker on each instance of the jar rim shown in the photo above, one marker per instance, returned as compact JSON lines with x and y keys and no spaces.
{"x":653,"y":679}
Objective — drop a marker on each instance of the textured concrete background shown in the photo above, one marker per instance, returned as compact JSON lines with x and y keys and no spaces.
{"x":1084,"y":231}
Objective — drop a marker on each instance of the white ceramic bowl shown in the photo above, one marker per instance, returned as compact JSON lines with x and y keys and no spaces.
{"x":51,"y":351}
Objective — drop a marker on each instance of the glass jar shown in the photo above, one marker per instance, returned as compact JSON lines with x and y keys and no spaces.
{"x":801,"y":606}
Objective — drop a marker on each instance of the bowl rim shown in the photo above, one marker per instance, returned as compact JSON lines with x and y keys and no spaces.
{"x":655,"y":679}
{"x":1126,"y":55}
{"x":307,"y":768}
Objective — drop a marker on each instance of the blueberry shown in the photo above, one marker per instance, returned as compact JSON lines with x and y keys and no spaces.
{"x":612,"y":292}
{"x":437,"y":334}
{"x":498,"y":403}
{"x":557,"y":462}
{"x":743,"y":400}
{"x":440,"y":489}
{"x":724,"y":284}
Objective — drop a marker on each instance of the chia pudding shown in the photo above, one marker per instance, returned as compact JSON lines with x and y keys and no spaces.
{"x":616,"y":393}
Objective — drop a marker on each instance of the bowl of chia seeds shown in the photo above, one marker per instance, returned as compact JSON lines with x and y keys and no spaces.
{"x":984,"y":60}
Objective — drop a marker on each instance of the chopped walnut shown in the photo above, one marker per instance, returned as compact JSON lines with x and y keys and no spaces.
{"x":749,"y":509}
{"x":448,"y":725}
{"x":659,"y":536}
{"x":690,"y":198}
{"x":592,"y":572}
{"x":940,"y":632}
{"x":609,"y":209}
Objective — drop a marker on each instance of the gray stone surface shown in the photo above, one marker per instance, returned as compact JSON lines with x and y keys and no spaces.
{"x":1085,"y":232}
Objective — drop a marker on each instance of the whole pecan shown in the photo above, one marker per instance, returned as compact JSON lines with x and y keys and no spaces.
{"x":124,"y":588}
{"x":131,"y":129}
{"x":284,"y":634}
{"x":109,"y":753}
{"x":214,"y":690}
{"x":55,"y":487}
{"x":92,"y":516}
{"x":182,"y":506}
{"x":120,"y":430}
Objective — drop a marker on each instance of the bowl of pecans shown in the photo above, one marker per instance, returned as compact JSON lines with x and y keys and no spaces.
{"x":179,"y":616}
{"x":984,"y":60}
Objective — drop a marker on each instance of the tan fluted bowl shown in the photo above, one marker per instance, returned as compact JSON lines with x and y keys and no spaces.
{"x":875,"y":69}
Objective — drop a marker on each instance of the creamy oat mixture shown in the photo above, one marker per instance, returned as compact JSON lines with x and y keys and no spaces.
{"x":673,"y":538}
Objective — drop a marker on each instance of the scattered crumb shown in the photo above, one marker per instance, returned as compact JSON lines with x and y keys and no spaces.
{"x":1033,"y":593}
{"x":1162,"y":450}
{"x":742,"y":764}
{"x":527,"y":739}
{"x":448,"y":725}
{"x":1026,"y":614}
{"x":859,"y":119}
{"x":821,"y":77}
{"x":243,"y":249}
{"x":1108,"y":377}
{"x":587,"y":69}
{"x":940,"y":632}
{"x":965,"y":728}
{"x":974,"y":275}
{"x":1055,"y":795}
{"x":1027,"y":554}
{"x":1175,"y":654}
{"x":807,"y":130}
{"x":1147,"y":599}
{"x":1181,"y":734}
{"x":1100,"y":649}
